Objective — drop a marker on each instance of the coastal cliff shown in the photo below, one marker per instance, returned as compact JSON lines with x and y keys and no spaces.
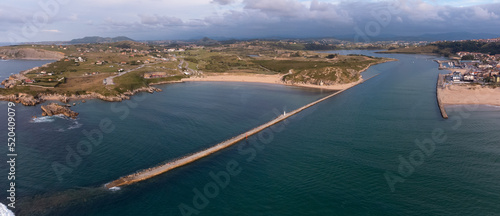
{"x":29,"y":54}
{"x":30,"y":100}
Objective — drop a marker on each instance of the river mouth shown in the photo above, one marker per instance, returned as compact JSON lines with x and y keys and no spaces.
{"x":329,"y":159}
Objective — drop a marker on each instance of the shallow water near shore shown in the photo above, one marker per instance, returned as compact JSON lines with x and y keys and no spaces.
{"x":327,"y":160}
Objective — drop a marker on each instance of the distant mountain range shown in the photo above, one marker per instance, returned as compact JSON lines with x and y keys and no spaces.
{"x":452,"y":36}
{"x":97,"y":39}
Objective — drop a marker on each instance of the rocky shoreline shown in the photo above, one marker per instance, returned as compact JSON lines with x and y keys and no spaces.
{"x":56,"y":109}
{"x":30,"y":100}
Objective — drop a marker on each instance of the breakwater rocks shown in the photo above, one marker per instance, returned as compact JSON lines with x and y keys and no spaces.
{"x":56,"y":109}
{"x":163,"y":168}
{"x":30,"y":100}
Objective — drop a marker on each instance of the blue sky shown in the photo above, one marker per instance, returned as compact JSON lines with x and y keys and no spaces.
{"x":51,"y":20}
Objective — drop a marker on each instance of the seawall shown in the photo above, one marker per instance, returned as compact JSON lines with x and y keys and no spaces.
{"x":155,"y":171}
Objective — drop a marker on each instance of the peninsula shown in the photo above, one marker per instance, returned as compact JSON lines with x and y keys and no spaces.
{"x":115,"y":71}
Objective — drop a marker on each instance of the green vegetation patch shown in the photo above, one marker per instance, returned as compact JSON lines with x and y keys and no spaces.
{"x":344,"y":70}
{"x":283,"y":66}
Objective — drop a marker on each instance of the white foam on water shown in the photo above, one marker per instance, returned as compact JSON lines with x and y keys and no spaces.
{"x":115,"y":189}
{"x":4,"y":211}
{"x":43,"y":119}
{"x":493,"y":106}
{"x":61,"y":116}
{"x":75,"y":125}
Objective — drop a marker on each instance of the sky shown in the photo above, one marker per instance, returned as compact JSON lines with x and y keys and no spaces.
{"x":60,"y":20}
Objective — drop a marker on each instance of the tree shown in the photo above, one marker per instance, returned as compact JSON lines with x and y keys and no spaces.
{"x":468,"y":57}
{"x":331,"y":56}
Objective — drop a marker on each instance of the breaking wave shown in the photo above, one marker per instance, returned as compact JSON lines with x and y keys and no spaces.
{"x":48,"y":119}
{"x":43,"y":119}
{"x":4,"y":211}
{"x":115,"y":189}
{"x":75,"y":125}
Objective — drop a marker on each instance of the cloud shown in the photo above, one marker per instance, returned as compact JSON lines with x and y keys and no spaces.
{"x":73,"y":17}
{"x":156,"y":19}
{"x":293,"y":18}
{"x":483,"y":13}
{"x":223,"y":2}
{"x":285,"y":8}
{"x":51,"y":31}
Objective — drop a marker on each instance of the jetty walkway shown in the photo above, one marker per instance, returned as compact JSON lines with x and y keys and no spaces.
{"x":155,"y":171}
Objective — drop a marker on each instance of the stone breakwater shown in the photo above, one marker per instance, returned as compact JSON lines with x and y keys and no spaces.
{"x":155,"y":171}
{"x":439,"y":88}
{"x":30,"y":100}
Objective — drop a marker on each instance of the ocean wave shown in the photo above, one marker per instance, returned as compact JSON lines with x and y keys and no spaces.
{"x":493,"y":106}
{"x":4,"y":211}
{"x":43,"y":119}
{"x":75,"y":125}
{"x":115,"y":189}
{"x":48,"y":119}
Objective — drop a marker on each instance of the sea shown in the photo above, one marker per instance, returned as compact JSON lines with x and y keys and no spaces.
{"x":379,"y":148}
{"x":10,"y":67}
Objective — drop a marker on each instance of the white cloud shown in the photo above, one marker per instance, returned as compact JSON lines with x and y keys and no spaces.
{"x":223,"y":2}
{"x":483,"y":14}
{"x":51,"y":31}
{"x":254,"y":18}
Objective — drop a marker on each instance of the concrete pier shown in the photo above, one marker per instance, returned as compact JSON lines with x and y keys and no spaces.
{"x":152,"y":172}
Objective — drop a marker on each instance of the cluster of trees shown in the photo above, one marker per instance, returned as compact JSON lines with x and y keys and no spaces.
{"x":469,"y":46}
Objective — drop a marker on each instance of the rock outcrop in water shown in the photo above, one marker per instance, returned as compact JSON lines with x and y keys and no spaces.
{"x":56,"y":109}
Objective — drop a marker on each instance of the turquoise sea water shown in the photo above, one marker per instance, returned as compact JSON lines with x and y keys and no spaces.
{"x":332,"y":159}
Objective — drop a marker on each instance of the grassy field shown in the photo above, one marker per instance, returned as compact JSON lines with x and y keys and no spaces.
{"x":283,"y":66}
{"x":83,"y":77}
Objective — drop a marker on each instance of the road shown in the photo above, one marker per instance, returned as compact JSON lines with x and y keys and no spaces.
{"x":109,"y":80}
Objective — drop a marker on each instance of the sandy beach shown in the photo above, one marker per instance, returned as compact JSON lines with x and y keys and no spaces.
{"x":262,"y":78}
{"x":468,"y":94}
